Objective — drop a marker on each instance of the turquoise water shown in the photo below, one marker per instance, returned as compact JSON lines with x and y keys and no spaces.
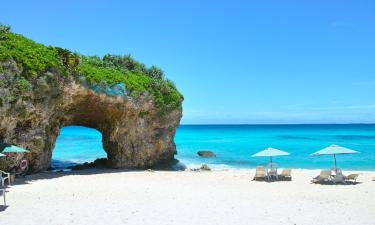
{"x":234,"y":145}
{"x":77,"y":144}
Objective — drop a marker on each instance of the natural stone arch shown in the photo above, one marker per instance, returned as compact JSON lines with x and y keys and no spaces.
{"x":134,"y":133}
{"x":78,"y":147}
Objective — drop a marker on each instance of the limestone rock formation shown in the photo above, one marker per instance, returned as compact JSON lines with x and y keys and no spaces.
{"x":44,"y":88}
{"x":134,"y":134}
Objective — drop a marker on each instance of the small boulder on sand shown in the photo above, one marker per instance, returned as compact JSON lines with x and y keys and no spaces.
{"x":205,"y":167}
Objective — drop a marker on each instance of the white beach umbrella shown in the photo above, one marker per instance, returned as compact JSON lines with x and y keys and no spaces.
{"x":334,"y":150}
{"x":2,"y":155}
{"x":270,"y":152}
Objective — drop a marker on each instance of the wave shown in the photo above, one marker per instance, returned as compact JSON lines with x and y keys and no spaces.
{"x":294,"y":137}
{"x":355,"y":137}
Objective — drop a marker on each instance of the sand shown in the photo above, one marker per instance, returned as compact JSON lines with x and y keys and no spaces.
{"x":220,"y":197}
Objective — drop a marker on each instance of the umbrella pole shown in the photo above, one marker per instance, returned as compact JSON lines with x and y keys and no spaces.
{"x":334,"y":156}
{"x":271,"y":162}
{"x":270,"y":167}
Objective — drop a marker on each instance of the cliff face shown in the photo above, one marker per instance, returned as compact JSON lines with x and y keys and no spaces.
{"x":44,"y":88}
{"x":135,"y":134}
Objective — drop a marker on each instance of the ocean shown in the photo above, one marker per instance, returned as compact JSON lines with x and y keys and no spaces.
{"x":234,"y":145}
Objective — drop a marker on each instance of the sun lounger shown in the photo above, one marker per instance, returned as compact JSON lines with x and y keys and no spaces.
{"x":260,"y":173}
{"x":286,"y":174}
{"x":4,"y":176}
{"x":2,"y":192}
{"x":352,"y":177}
{"x":324,"y":177}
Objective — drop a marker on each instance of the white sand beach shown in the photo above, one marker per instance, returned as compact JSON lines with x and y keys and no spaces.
{"x":219,"y":197}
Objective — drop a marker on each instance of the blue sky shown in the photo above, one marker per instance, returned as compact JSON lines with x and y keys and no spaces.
{"x":234,"y":61}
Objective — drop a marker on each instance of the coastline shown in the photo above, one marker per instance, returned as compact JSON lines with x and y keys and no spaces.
{"x":224,"y":167}
{"x":159,"y":197}
{"x":64,"y":166}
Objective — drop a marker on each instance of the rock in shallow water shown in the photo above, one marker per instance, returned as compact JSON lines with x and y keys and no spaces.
{"x":206,"y":154}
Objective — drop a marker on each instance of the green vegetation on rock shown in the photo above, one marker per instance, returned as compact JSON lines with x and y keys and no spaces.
{"x":33,"y":57}
{"x":36,"y":59}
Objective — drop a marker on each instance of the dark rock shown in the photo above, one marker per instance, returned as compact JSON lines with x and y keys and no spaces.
{"x":170,"y":165}
{"x":206,"y":154}
{"x":205,"y":167}
{"x":101,"y":163}
{"x":80,"y":166}
{"x":50,"y":168}
{"x":98,"y":163}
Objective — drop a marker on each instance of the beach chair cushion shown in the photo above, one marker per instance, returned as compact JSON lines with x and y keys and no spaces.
{"x":324,"y":176}
{"x":286,"y":174}
{"x":260,"y":172}
{"x":352,"y":177}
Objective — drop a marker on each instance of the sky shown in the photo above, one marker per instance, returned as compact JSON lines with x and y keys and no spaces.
{"x":236,"y":62}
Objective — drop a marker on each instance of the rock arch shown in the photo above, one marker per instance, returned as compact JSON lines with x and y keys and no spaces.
{"x":78,"y":144}
{"x":134,"y":133}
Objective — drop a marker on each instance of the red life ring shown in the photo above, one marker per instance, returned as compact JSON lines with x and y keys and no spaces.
{"x":24,"y":164}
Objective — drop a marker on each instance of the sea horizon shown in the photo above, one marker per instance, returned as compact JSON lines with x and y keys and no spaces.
{"x":207,"y":124}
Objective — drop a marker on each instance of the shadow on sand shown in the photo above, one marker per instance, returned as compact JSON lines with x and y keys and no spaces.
{"x":86,"y":172}
{"x":3,"y":208}
{"x":347,"y":183}
{"x":171,"y":166}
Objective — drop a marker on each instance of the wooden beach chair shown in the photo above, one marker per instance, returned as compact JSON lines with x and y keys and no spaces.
{"x":260,"y":173}
{"x":324,"y":177}
{"x":4,"y":176}
{"x":286,"y":174}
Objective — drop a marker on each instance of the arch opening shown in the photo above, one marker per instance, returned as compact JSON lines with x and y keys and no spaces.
{"x":77,"y":145}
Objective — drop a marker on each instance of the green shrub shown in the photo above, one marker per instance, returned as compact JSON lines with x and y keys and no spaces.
{"x":114,"y":70}
{"x":33,"y":57}
{"x":37,"y":59}
{"x":4,"y":28}
{"x":23,"y":84}
{"x":155,"y":73}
